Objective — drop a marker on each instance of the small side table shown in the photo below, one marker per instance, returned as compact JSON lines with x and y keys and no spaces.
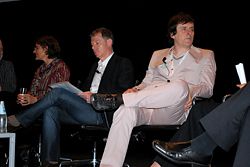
{"x":12,"y":144}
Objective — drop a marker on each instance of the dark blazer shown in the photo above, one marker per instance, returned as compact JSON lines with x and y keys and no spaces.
{"x":117,"y":77}
{"x":229,"y":123}
{"x":223,"y":123}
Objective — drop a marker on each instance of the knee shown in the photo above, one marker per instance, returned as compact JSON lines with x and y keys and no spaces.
{"x":58,"y":93}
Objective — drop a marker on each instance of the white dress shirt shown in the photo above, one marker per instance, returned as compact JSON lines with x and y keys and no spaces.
{"x":98,"y":74}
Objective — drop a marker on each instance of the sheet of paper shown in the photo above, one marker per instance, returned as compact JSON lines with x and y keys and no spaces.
{"x":66,"y":85}
{"x":241,"y":73}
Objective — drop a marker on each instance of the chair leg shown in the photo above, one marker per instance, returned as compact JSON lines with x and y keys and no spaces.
{"x":38,"y":154}
{"x":93,"y":162}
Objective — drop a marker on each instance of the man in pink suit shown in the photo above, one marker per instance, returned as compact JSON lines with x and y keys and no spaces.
{"x":175,"y":76}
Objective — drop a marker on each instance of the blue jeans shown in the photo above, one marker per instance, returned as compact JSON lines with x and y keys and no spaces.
{"x":58,"y":106}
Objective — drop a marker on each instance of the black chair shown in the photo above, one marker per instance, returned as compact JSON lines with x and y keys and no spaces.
{"x":96,"y":133}
{"x":141,"y":133}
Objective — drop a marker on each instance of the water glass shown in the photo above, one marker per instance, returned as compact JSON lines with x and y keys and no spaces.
{"x":23,"y":90}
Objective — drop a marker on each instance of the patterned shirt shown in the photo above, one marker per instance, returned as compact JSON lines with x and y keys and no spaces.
{"x":56,"y":71}
{"x":7,"y":76}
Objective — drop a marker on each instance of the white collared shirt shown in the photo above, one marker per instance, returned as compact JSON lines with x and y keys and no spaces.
{"x":98,"y":74}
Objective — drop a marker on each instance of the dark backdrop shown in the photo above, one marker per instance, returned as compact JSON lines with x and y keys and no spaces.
{"x":139,"y":28}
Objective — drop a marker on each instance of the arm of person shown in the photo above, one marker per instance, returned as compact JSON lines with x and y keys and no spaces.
{"x":146,"y":81}
{"x":26,"y":99}
{"x":241,"y":85}
{"x":207,"y":78}
{"x":156,"y":59}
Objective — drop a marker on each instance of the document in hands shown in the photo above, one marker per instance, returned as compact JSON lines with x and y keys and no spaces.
{"x":66,"y":85}
{"x":241,"y":73}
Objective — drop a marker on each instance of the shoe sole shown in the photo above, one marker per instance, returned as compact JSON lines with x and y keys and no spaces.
{"x":161,"y":151}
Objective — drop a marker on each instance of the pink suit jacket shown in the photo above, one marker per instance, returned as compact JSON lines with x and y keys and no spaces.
{"x":198,"y":69}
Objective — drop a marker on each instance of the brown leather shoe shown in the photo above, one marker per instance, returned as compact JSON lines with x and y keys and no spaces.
{"x":175,"y":146}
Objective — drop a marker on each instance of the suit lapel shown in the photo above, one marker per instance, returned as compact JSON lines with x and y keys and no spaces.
{"x":194,"y":56}
{"x":109,"y":67}
{"x":107,"y":72}
{"x":93,"y":70}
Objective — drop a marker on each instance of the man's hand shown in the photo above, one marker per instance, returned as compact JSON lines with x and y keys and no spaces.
{"x":132,"y":90}
{"x":86,"y":96}
{"x":241,"y":85}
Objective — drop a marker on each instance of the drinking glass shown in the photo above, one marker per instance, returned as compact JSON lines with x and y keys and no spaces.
{"x":21,"y":96}
{"x":23,"y":91}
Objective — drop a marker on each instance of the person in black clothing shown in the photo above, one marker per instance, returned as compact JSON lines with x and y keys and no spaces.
{"x":188,"y":130}
{"x":7,"y":82}
{"x":224,"y":126}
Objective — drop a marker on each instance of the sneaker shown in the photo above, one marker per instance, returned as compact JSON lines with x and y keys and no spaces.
{"x":104,"y":101}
